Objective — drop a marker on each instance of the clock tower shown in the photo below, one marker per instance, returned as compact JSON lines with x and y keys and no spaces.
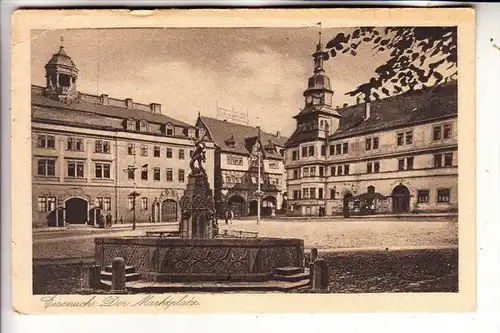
{"x":318,"y":114}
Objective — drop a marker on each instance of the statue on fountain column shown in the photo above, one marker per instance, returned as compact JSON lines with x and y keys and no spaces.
{"x":198,"y":156}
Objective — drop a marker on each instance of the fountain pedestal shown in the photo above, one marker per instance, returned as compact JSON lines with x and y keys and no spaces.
{"x":197,"y":207}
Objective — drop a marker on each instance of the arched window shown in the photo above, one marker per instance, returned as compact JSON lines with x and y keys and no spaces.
{"x":371,"y":189}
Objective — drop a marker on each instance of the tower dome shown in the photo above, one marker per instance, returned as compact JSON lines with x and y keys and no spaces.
{"x":61,"y":74}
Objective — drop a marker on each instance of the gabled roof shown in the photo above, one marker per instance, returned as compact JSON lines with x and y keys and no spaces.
{"x":39,"y":99}
{"x":322,"y":109}
{"x":244,"y":136}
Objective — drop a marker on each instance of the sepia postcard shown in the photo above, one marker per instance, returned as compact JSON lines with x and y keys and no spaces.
{"x":260,"y":160}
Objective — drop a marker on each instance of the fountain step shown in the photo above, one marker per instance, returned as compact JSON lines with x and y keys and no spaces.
{"x":128,"y":269}
{"x":284,"y":271}
{"x":164,"y":287}
{"x":292,"y":278}
{"x":107,"y":276}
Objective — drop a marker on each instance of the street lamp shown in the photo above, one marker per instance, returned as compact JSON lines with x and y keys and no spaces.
{"x":134,"y":193}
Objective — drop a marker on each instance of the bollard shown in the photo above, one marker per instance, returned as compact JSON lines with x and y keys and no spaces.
{"x":118,"y":275}
{"x":95,"y":277}
{"x":313,"y":256}
{"x":320,"y":277}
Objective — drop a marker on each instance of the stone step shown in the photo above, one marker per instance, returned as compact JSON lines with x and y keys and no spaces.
{"x":107,"y":276}
{"x":165,"y":287}
{"x":293,"y":278}
{"x":128,"y":269}
{"x":285,"y":271}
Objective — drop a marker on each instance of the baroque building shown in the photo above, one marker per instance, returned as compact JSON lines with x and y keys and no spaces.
{"x":392,"y":155}
{"x":236,"y":171}
{"x":91,"y":154}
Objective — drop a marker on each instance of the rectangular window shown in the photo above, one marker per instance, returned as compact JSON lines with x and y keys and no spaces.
{"x":313,"y":171}
{"x":304,"y":152}
{"x":170,"y":131}
{"x":295,"y":195}
{"x":401,"y":164}
{"x":369,"y":168}
{"x":100,"y":202}
{"x":305,"y":193}
{"x":75,"y":169}
{"x":332,"y":193}
{"x":296,"y":173}
{"x":102,"y":146}
{"x":131,"y":172}
{"x":423,"y":196}
{"x":368,"y":144}
{"x":311,"y":150}
{"x":46,"y":167}
{"x":332,"y":149}
{"x":102,"y":170}
{"x":107,"y":203}
{"x":170,"y":175}
{"x":346,"y":169}
{"x":438,"y":160}
{"x":144,"y":203}
{"x":181,"y":154}
{"x":375,"y":143}
{"x":338,"y":149}
{"x":156,"y":174}
{"x":323,"y":150}
{"x":320,"y":193}
{"x":409,"y":138}
{"x":42,"y":204}
{"x":130,"y":203}
{"x":345,"y":148}
{"x":436,"y":133}
{"x":131,"y":125}
{"x":448,"y":159}
{"x":332,"y":171}
{"x":321,"y":171}
{"x":409,"y":163}
{"x":144,"y":150}
{"x":169,"y":153}
{"x":181,"y":175}
{"x":131,"y":149}
{"x":376,"y":167}
{"x":312,"y":193}
{"x":46,"y":141}
{"x":305,"y":172}
{"x":443,"y":195}
{"x":294,"y":155}
{"x":144,"y":173}
{"x":339,"y":170}
{"x":447,"y":131}
{"x":156,"y":151}
{"x":79,"y":145}
{"x":401,"y":138}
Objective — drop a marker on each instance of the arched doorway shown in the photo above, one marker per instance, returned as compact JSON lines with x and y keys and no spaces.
{"x":237,"y":204}
{"x":169,"y":211}
{"x":76,"y":210}
{"x":253,"y":207}
{"x":400,"y":199}
{"x":268,"y":205}
{"x":345,"y":207}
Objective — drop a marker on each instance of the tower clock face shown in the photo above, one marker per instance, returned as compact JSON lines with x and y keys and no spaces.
{"x":309,"y":99}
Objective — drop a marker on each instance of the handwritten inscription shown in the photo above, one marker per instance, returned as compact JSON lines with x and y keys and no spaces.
{"x":118,"y":301}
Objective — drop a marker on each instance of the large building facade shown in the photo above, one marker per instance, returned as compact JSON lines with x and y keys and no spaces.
{"x":236,"y":171}
{"x":95,"y":155}
{"x":393,"y":155}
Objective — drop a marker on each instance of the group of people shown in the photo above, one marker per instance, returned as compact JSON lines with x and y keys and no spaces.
{"x":229,"y":216}
{"x":104,"y":221}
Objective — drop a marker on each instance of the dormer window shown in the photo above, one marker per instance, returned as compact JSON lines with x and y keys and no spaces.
{"x":169,"y":129}
{"x":230,"y":142}
{"x":191,"y":132}
{"x":201,"y":132}
{"x":131,"y":125}
{"x":143,"y":126}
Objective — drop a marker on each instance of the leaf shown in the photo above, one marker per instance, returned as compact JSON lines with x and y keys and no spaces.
{"x":438,"y":77}
{"x":397,"y":89}
{"x":377,"y":40}
{"x":353,"y":52}
{"x":339,"y":47}
{"x":333,"y":53}
{"x":367,"y":39}
{"x":355,"y":34}
{"x":414,"y":56}
{"x":384,"y":42}
{"x":377,"y":96}
{"x":385,"y":91}
{"x":436,"y":64}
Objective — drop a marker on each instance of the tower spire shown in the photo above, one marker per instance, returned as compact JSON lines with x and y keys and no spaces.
{"x":320,"y":46}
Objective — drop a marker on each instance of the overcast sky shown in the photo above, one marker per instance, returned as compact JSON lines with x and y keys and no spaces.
{"x":262,"y":70}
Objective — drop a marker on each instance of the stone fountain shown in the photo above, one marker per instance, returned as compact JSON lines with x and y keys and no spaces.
{"x":197,"y":258}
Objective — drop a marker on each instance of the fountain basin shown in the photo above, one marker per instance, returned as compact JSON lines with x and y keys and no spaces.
{"x":196,"y":259}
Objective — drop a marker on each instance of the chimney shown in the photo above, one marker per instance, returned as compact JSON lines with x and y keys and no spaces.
{"x":129,"y":102}
{"x":155,"y":108}
{"x":104,"y":99}
{"x":337,"y":108}
{"x":278,"y":134}
{"x":345,"y":105}
{"x":367,"y":108}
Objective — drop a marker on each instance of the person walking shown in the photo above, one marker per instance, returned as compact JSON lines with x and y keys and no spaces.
{"x":226,"y":216}
{"x":231,"y":216}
